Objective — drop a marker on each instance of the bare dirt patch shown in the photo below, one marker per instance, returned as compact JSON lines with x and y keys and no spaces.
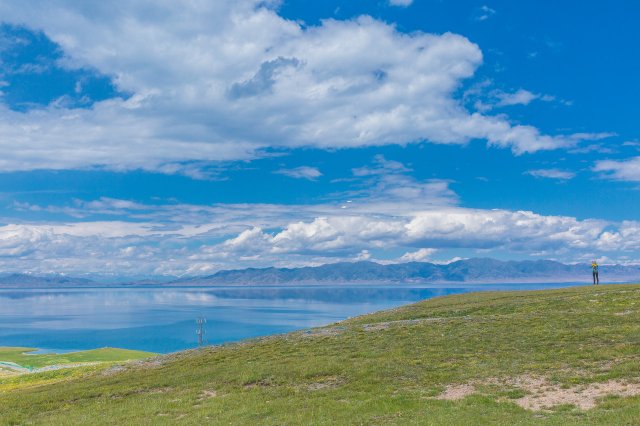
{"x":330,"y":382}
{"x":161,"y":390}
{"x":262,"y":383}
{"x":378,"y":326}
{"x":207,"y":394}
{"x":544,"y":395}
{"x":457,"y":392}
{"x":151,"y":362}
{"x":323,"y":332}
{"x":113,"y":370}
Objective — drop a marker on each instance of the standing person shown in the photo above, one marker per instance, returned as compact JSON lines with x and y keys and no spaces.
{"x":594,"y":267}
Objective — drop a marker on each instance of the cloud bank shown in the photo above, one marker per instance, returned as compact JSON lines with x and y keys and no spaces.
{"x":226,"y":80}
{"x":184,"y":239}
{"x":626,"y":170}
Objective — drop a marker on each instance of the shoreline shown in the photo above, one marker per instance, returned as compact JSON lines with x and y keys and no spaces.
{"x":440,"y":284}
{"x":472,"y":288}
{"x":18,"y":359}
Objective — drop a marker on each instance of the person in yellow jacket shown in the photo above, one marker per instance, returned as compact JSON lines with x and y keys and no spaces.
{"x":594,"y":268}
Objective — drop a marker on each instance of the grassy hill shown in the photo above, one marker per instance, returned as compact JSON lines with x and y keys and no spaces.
{"x":569,"y":356}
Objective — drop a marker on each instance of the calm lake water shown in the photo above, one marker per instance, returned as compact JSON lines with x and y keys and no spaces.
{"x":163,"y":319}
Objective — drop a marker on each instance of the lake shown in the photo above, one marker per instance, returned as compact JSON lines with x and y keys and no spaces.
{"x":162,"y":319}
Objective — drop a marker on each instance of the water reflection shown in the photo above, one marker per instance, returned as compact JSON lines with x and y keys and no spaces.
{"x":162,"y":319}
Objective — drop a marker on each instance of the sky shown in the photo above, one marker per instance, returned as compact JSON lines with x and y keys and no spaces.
{"x":166,"y":138}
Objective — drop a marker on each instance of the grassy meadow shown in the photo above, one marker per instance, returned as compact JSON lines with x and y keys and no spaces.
{"x":22,"y":357}
{"x":561,"y":357}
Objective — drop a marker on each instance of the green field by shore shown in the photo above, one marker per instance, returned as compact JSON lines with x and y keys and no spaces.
{"x":23,"y":358}
{"x":569,"y":356}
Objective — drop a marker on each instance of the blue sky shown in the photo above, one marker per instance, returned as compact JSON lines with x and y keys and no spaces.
{"x":148,"y":138}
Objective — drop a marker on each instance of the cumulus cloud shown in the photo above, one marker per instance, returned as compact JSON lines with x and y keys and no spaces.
{"x":19,"y":241}
{"x":393,"y":213}
{"x":627,"y":170}
{"x":551,"y":174}
{"x":421,"y":255}
{"x":303,"y":172}
{"x":442,"y":228}
{"x":208,"y":238}
{"x":224,"y":80}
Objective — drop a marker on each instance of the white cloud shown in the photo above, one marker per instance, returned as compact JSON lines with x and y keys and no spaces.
{"x":381,"y":166}
{"x":223,"y":237}
{"x":387,"y":183}
{"x":484,"y":13}
{"x":424,"y":254}
{"x":627,"y":170}
{"x":18,"y":241}
{"x":437,"y":228}
{"x":486,"y":99}
{"x":520,"y":97}
{"x":401,"y":3}
{"x":552,"y":174}
{"x":303,"y":172}
{"x":593,"y":136}
{"x":239,"y":79}
{"x":393,"y":214}
{"x":363,"y":255}
{"x":249,"y":241}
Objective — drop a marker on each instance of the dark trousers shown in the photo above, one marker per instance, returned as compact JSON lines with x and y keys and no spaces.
{"x":596,"y":279}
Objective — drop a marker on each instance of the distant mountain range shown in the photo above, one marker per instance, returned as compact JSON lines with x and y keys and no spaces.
{"x":462,"y":271}
{"x":29,"y":280}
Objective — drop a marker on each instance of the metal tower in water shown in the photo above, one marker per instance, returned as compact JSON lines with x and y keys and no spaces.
{"x":200,"y":331}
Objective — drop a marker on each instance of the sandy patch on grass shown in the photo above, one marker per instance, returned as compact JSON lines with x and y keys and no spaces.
{"x":330,"y":382}
{"x":206,"y":394}
{"x":544,"y":395}
{"x":457,"y":392}
{"x":113,"y":370}
{"x":261,"y":383}
{"x":378,"y":326}
{"x":160,"y":390}
{"x":6,"y":372}
{"x":323,"y":332}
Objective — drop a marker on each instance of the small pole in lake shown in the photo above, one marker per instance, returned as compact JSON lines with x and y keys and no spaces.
{"x":200,"y":331}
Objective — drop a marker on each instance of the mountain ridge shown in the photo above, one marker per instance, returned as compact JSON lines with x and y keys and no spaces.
{"x":472,"y":271}
{"x":476,"y":270}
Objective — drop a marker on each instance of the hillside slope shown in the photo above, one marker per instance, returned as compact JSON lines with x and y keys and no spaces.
{"x":483,"y":358}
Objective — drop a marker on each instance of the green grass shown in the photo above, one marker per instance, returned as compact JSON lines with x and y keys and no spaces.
{"x":21,"y":357}
{"x":383,"y":368}
{"x":12,"y":382}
